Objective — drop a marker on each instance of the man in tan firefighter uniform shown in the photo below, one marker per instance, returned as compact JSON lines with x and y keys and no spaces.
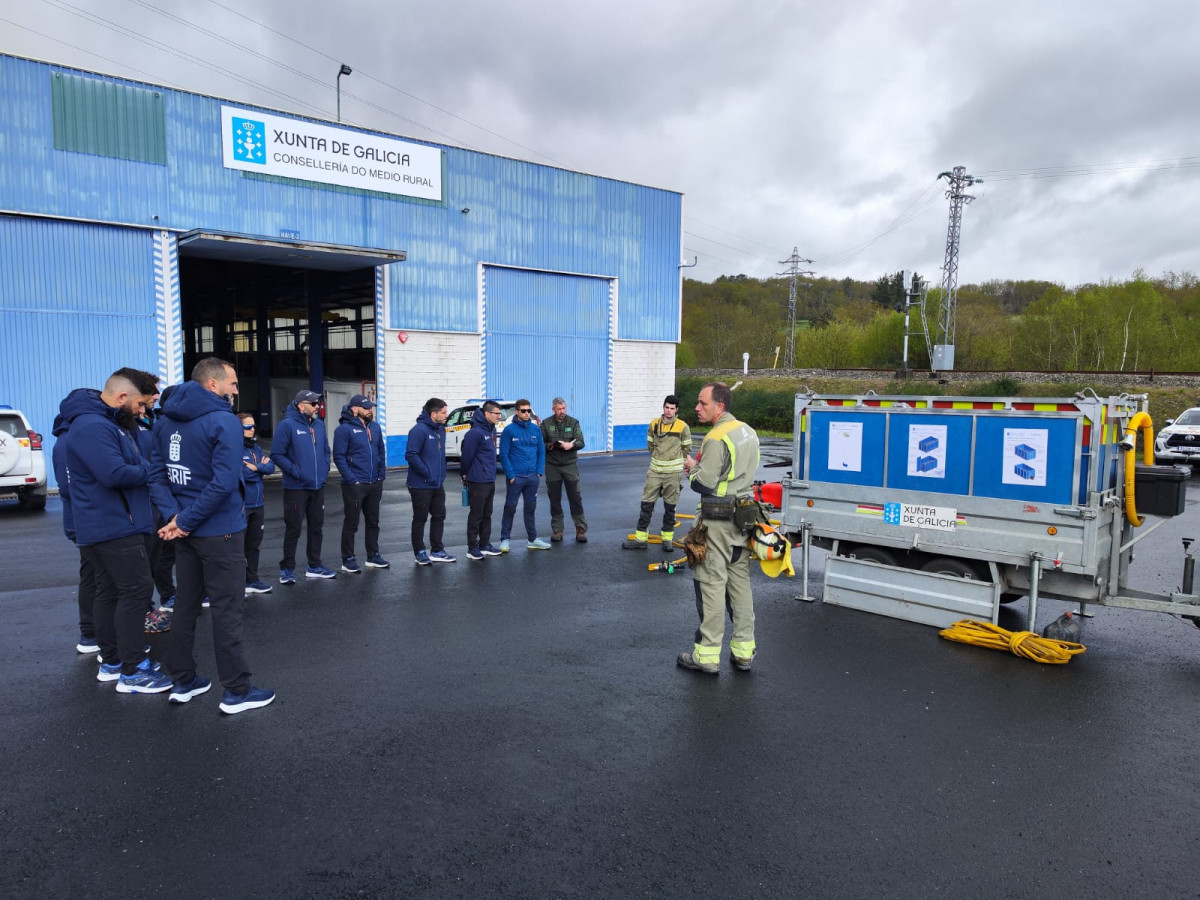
{"x":722,"y":474}
{"x":669,"y":441}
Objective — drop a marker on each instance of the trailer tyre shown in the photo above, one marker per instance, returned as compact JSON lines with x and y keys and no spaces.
{"x":946,"y":565}
{"x":867,"y":553}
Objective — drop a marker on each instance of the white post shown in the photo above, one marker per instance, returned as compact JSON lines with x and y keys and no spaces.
{"x":745,"y":363}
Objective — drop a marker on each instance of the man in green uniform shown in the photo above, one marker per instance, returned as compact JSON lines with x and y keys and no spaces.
{"x":669,"y":441}
{"x":564,"y":440}
{"x":722,"y":474}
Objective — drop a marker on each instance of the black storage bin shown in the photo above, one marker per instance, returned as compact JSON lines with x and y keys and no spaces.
{"x":1160,"y":490}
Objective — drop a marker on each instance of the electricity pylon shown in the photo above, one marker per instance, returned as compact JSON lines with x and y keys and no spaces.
{"x":943,"y":342}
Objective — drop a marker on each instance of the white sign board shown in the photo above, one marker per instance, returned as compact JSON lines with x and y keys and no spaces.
{"x":845,"y":446}
{"x":1025,"y":456}
{"x":939,"y":518}
{"x":256,"y":142}
{"x":927,"y":451}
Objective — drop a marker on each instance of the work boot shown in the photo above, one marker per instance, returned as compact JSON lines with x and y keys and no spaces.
{"x":740,"y":662}
{"x":556,"y":536}
{"x":688,"y":661}
{"x":581,"y":535}
{"x":633,"y":544}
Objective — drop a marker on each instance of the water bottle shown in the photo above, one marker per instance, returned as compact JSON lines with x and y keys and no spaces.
{"x":466,"y":501}
{"x":1064,"y":628}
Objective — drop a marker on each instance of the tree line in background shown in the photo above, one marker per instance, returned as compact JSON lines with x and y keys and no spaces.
{"x":1142,"y":324}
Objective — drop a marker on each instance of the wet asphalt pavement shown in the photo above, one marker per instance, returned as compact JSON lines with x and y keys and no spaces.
{"x":517,"y":727}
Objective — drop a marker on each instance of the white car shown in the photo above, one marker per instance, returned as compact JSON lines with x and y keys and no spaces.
{"x":459,"y":423}
{"x":22,"y":460}
{"x":1179,"y":441}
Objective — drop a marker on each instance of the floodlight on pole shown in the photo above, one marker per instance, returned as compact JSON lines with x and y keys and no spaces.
{"x":344,"y":70}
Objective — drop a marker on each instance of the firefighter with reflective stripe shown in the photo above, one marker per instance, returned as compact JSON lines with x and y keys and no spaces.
{"x":722,"y":474}
{"x":669,"y":441}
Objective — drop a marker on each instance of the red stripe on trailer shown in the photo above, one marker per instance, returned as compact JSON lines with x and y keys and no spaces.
{"x":943,"y":404}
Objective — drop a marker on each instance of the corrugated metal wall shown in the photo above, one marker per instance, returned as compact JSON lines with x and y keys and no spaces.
{"x":546,"y":335}
{"x":76,"y":303}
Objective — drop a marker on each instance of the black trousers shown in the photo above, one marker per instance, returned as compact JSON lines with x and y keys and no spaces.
{"x":213,"y":567}
{"x":254,"y":535}
{"x":298,"y":506}
{"x":364,"y":499}
{"x":124,"y":591}
{"x":162,"y":562}
{"x":479,"y":520}
{"x":428,"y":503}
{"x":87,"y":595}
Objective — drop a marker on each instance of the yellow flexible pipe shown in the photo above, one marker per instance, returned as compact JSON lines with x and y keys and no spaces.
{"x":1143,"y":421}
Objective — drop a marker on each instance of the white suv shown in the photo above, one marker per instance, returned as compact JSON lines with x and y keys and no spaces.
{"x":1180,"y":440}
{"x":22,"y":460}
{"x":459,"y":423}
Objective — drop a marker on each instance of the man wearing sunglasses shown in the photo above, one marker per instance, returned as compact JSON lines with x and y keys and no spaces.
{"x":523,"y":456}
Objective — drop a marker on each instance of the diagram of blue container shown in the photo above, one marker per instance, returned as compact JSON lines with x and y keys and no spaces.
{"x":928,"y":443}
{"x":1023,"y":471}
{"x":927,"y":463}
{"x":1025,"y":451}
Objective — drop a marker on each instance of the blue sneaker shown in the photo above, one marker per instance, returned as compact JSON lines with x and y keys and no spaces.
{"x":87,"y":645}
{"x":491,"y":550}
{"x":320,"y":572}
{"x":537,"y":544}
{"x":503,"y":545}
{"x":252,"y":699}
{"x":474,"y":553}
{"x":441,"y":556}
{"x":287,"y":576}
{"x":149,"y":679}
{"x":350,"y":565}
{"x":183,"y":691}
{"x":421,"y":558}
{"x":169,"y":603}
{"x":257,"y":587}
{"x":109,"y":672}
{"x":375,"y":561}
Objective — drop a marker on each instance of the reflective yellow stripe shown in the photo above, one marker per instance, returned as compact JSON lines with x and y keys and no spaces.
{"x":962,"y":405}
{"x":721,"y":433}
{"x":1045,"y":407}
{"x":709,"y":656}
{"x":742,"y":649}
{"x":641,"y":536}
{"x":668,"y":536}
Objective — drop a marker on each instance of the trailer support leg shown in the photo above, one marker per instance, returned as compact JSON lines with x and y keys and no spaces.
{"x":1035,"y":576}
{"x":805,"y":544}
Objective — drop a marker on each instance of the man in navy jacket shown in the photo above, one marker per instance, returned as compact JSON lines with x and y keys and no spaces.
{"x":75,"y":404}
{"x":523,"y":455}
{"x":477,"y":465}
{"x":199,"y":442}
{"x":361,"y":458}
{"x":426,"y":458}
{"x":301,"y":452}
{"x":255,"y":464}
{"x":109,"y":484}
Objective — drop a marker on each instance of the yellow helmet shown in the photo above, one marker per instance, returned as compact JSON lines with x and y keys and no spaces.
{"x":767,"y":543}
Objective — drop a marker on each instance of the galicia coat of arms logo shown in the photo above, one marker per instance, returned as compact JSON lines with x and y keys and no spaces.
{"x":249,"y":141}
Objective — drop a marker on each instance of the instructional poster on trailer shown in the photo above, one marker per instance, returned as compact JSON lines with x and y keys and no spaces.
{"x":927,"y":451}
{"x":1025,"y":456}
{"x":845,"y":446}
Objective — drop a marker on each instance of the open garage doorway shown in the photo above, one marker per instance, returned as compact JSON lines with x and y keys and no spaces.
{"x":288,"y":317}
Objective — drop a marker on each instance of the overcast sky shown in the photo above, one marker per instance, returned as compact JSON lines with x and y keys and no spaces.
{"x":816,"y":125}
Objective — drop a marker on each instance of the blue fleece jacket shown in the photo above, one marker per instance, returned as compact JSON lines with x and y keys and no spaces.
{"x":251,"y":478}
{"x":72,"y":406}
{"x":522,"y":450}
{"x":199,"y":441}
{"x":107,"y":476}
{"x":358,"y":450}
{"x":301,"y":451}
{"x":426,"y":453}
{"x":478,"y":453}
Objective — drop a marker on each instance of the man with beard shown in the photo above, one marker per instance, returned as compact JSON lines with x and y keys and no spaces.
{"x":301,"y":452}
{"x":110,"y":481}
{"x":426,"y":458}
{"x":361,"y":458}
{"x":199,"y":443}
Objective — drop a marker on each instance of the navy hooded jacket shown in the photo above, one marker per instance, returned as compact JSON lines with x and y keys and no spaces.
{"x":72,"y":405}
{"x":522,"y":450}
{"x":358,"y":450}
{"x":300,"y":451}
{"x":199,"y":441}
{"x":253,"y":479}
{"x":106,"y":475}
{"x":426,"y":453}
{"x":478,"y":453}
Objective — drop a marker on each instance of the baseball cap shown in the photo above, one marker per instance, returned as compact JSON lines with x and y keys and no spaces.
{"x":360,"y":400}
{"x":307,"y":397}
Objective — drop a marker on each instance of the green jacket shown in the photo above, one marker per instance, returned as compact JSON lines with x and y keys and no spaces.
{"x":728,"y":459}
{"x":568,"y":430}
{"x":669,"y":442}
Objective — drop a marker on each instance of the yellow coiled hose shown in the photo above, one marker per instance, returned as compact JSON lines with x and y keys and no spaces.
{"x":1143,"y":421}
{"x":1020,"y":643}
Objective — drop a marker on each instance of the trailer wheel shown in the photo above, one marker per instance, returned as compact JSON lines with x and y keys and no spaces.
{"x":946,"y":565}
{"x":867,"y":553}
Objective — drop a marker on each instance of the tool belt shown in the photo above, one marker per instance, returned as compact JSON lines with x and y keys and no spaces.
{"x":744,"y":512}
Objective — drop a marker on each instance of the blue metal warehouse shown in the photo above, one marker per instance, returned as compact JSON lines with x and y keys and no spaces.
{"x":150,"y":227}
